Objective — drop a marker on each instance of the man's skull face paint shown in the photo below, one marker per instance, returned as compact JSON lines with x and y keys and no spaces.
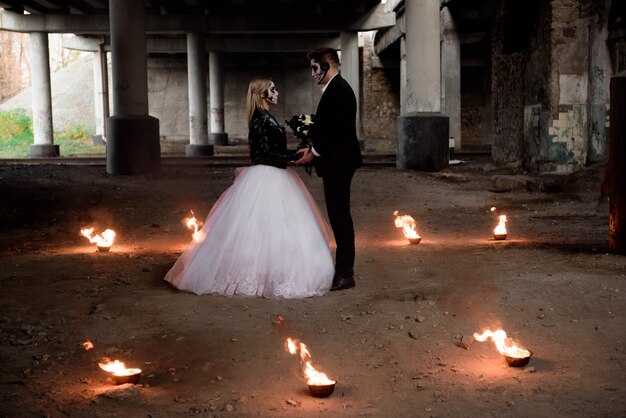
{"x":271,"y":94}
{"x":317,"y":73}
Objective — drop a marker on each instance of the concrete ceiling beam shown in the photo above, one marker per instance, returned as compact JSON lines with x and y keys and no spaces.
{"x":377,"y":18}
{"x":214,"y":24}
{"x":179,"y":45}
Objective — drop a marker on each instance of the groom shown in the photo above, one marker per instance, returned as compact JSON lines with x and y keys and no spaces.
{"x":336,"y":156}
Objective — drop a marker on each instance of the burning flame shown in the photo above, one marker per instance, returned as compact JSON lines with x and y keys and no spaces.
{"x":504,"y":345}
{"x":117,"y":368}
{"x":104,"y":240}
{"x":193,"y":223}
{"x":501,"y":228}
{"x":87,"y":345}
{"x":313,"y":376}
{"x":408,"y":225}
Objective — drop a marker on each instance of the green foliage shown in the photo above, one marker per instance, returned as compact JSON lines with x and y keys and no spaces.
{"x":383,"y":146}
{"x":16,"y":135}
{"x":15,"y":124}
{"x":73,"y":132}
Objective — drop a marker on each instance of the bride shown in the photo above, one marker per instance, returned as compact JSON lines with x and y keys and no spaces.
{"x":264,"y":236}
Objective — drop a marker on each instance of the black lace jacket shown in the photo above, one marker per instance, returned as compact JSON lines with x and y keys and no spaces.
{"x":268,"y":143}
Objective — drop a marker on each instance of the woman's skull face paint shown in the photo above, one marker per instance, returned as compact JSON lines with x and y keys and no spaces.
{"x":271,"y":94}
{"x":317,"y":73}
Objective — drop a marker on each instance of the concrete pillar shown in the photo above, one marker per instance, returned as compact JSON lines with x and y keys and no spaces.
{"x":42,"y":98}
{"x":451,"y":76}
{"x":197,"y":84}
{"x":403,"y":102}
{"x":132,"y":135}
{"x":423,"y":56}
{"x":423,"y":132}
{"x":599,"y":76}
{"x":350,"y":67}
{"x":101,"y":93}
{"x":216,"y":87}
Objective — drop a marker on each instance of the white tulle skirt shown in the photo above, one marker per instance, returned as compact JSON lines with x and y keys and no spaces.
{"x":264,"y":237}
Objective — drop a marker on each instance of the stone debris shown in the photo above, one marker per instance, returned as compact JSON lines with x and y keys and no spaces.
{"x":121,"y":392}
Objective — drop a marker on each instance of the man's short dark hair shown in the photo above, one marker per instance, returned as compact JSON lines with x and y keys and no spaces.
{"x":324,"y":55}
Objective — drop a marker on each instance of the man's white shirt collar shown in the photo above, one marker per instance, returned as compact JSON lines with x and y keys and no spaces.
{"x":326,"y":85}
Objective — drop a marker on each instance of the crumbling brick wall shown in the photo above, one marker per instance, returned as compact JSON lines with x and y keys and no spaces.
{"x":380,"y":95}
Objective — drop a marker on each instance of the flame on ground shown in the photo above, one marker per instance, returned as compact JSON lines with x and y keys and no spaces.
{"x":194,"y":224}
{"x":408,"y":225}
{"x":104,"y":240}
{"x":501,"y":228}
{"x":87,"y":345}
{"x":117,"y":368}
{"x":504,"y":344}
{"x":313,"y":376}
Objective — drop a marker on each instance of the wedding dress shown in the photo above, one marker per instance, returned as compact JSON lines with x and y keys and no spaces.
{"x":264,"y":237}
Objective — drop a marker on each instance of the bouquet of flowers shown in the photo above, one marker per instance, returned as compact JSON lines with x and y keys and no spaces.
{"x":301,"y":127}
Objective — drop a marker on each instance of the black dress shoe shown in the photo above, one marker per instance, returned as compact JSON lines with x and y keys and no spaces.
{"x":341,"y":283}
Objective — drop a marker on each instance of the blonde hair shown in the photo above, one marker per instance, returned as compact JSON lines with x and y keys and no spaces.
{"x":256,"y":88}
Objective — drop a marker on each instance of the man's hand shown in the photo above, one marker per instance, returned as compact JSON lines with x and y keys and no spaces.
{"x":305,"y":156}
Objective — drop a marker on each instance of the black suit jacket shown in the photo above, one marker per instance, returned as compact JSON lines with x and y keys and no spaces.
{"x":334,"y":132}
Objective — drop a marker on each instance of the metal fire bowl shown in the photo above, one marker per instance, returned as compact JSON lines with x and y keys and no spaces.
{"x":131,"y":378}
{"x":415,"y":240}
{"x":322,"y":391}
{"x":104,"y":249}
{"x":518,"y":361}
{"x":499,"y":237}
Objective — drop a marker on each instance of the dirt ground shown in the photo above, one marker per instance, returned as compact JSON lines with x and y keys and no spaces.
{"x":399,"y":344}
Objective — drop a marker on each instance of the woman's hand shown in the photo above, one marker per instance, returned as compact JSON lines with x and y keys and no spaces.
{"x":306,"y":156}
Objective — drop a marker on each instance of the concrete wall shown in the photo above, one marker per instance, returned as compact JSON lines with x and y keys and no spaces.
{"x":520,"y":76}
{"x":550,"y":84}
{"x":620,"y":51}
{"x":291,"y":74}
{"x":167,"y":79}
{"x":168,"y":98}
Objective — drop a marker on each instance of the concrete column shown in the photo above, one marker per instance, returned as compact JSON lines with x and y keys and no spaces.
{"x":42,"y":98}
{"x":101,"y":93}
{"x":423,"y":55}
{"x":132,"y":135}
{"x":197,"y":85}
{"x":403,"y":103}
{"x":128,"y":58}
{"x":451,"y":76}
{"x":350,"y":66}
{"x":599,"y":76}
{"x":423,"y":132}
{"x":216,"y":87}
